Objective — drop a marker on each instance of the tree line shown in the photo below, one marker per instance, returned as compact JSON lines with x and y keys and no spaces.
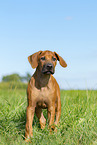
{"x":16,"y":77}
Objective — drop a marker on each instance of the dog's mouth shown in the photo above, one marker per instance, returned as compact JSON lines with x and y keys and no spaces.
{"x":48,"y":72}
{"x":48,"y":69}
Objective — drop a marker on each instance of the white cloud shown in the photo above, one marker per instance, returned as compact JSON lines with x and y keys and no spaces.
{"x":68,"y":18}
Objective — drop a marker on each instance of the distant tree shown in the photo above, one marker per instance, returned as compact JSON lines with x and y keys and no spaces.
{"x":12,"y":77}
{"x":16,"y":78}
{"x":28,"y":76}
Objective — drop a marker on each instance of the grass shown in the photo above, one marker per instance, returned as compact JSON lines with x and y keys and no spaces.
{"x":78,"y":123}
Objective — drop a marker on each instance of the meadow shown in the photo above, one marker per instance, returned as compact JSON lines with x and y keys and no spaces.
{"x":78,"y":123}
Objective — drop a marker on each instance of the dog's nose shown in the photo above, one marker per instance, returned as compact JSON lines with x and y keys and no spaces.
{"x":49,"y":66}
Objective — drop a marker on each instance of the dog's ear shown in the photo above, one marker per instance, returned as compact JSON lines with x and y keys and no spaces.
{"x":33,"y":59}
{"x":61,"y":60}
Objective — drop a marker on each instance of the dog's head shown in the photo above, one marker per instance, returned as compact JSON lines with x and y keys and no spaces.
{"x":46,"y":61}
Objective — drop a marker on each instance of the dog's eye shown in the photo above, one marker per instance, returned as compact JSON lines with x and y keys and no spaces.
{"x":42,"y":58}
{"x":53,"y":58}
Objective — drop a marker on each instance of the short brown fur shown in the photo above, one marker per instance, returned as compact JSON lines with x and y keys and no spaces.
{"x":43,"y":91}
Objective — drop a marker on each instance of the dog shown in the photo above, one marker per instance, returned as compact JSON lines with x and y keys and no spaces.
{"x":43,"y":91}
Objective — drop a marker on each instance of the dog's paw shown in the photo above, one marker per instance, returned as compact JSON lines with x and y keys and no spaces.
{"x":27,"y":140}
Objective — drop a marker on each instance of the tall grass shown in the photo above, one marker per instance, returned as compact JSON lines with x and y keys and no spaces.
{"x":13,"y":85}
{"x":78,"y":123}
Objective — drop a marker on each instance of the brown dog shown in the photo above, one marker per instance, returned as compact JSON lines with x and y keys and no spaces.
{"x":43,"y":90}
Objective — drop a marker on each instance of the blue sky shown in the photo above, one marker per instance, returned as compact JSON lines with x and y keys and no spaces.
{"x":67,"y":27}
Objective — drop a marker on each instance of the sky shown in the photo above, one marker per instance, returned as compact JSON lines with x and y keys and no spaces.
{"x":67,"y":27}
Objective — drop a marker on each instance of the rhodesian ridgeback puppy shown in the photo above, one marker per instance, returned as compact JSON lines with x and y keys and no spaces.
{"x":43,"y":91}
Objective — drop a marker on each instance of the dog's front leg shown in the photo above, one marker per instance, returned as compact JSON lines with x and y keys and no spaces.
{"x":58,"y":106}
{"x":29,"y":120}
{"x":51,"y":115}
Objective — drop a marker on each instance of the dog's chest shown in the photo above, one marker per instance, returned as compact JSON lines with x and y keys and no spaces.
{"x":46,"y":92}
{"x":44,"y":97}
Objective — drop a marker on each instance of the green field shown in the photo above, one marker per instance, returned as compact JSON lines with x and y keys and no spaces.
{"x":78,"y":123}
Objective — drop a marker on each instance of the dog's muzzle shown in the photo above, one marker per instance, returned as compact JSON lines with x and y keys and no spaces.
{"x":48,"y":68}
